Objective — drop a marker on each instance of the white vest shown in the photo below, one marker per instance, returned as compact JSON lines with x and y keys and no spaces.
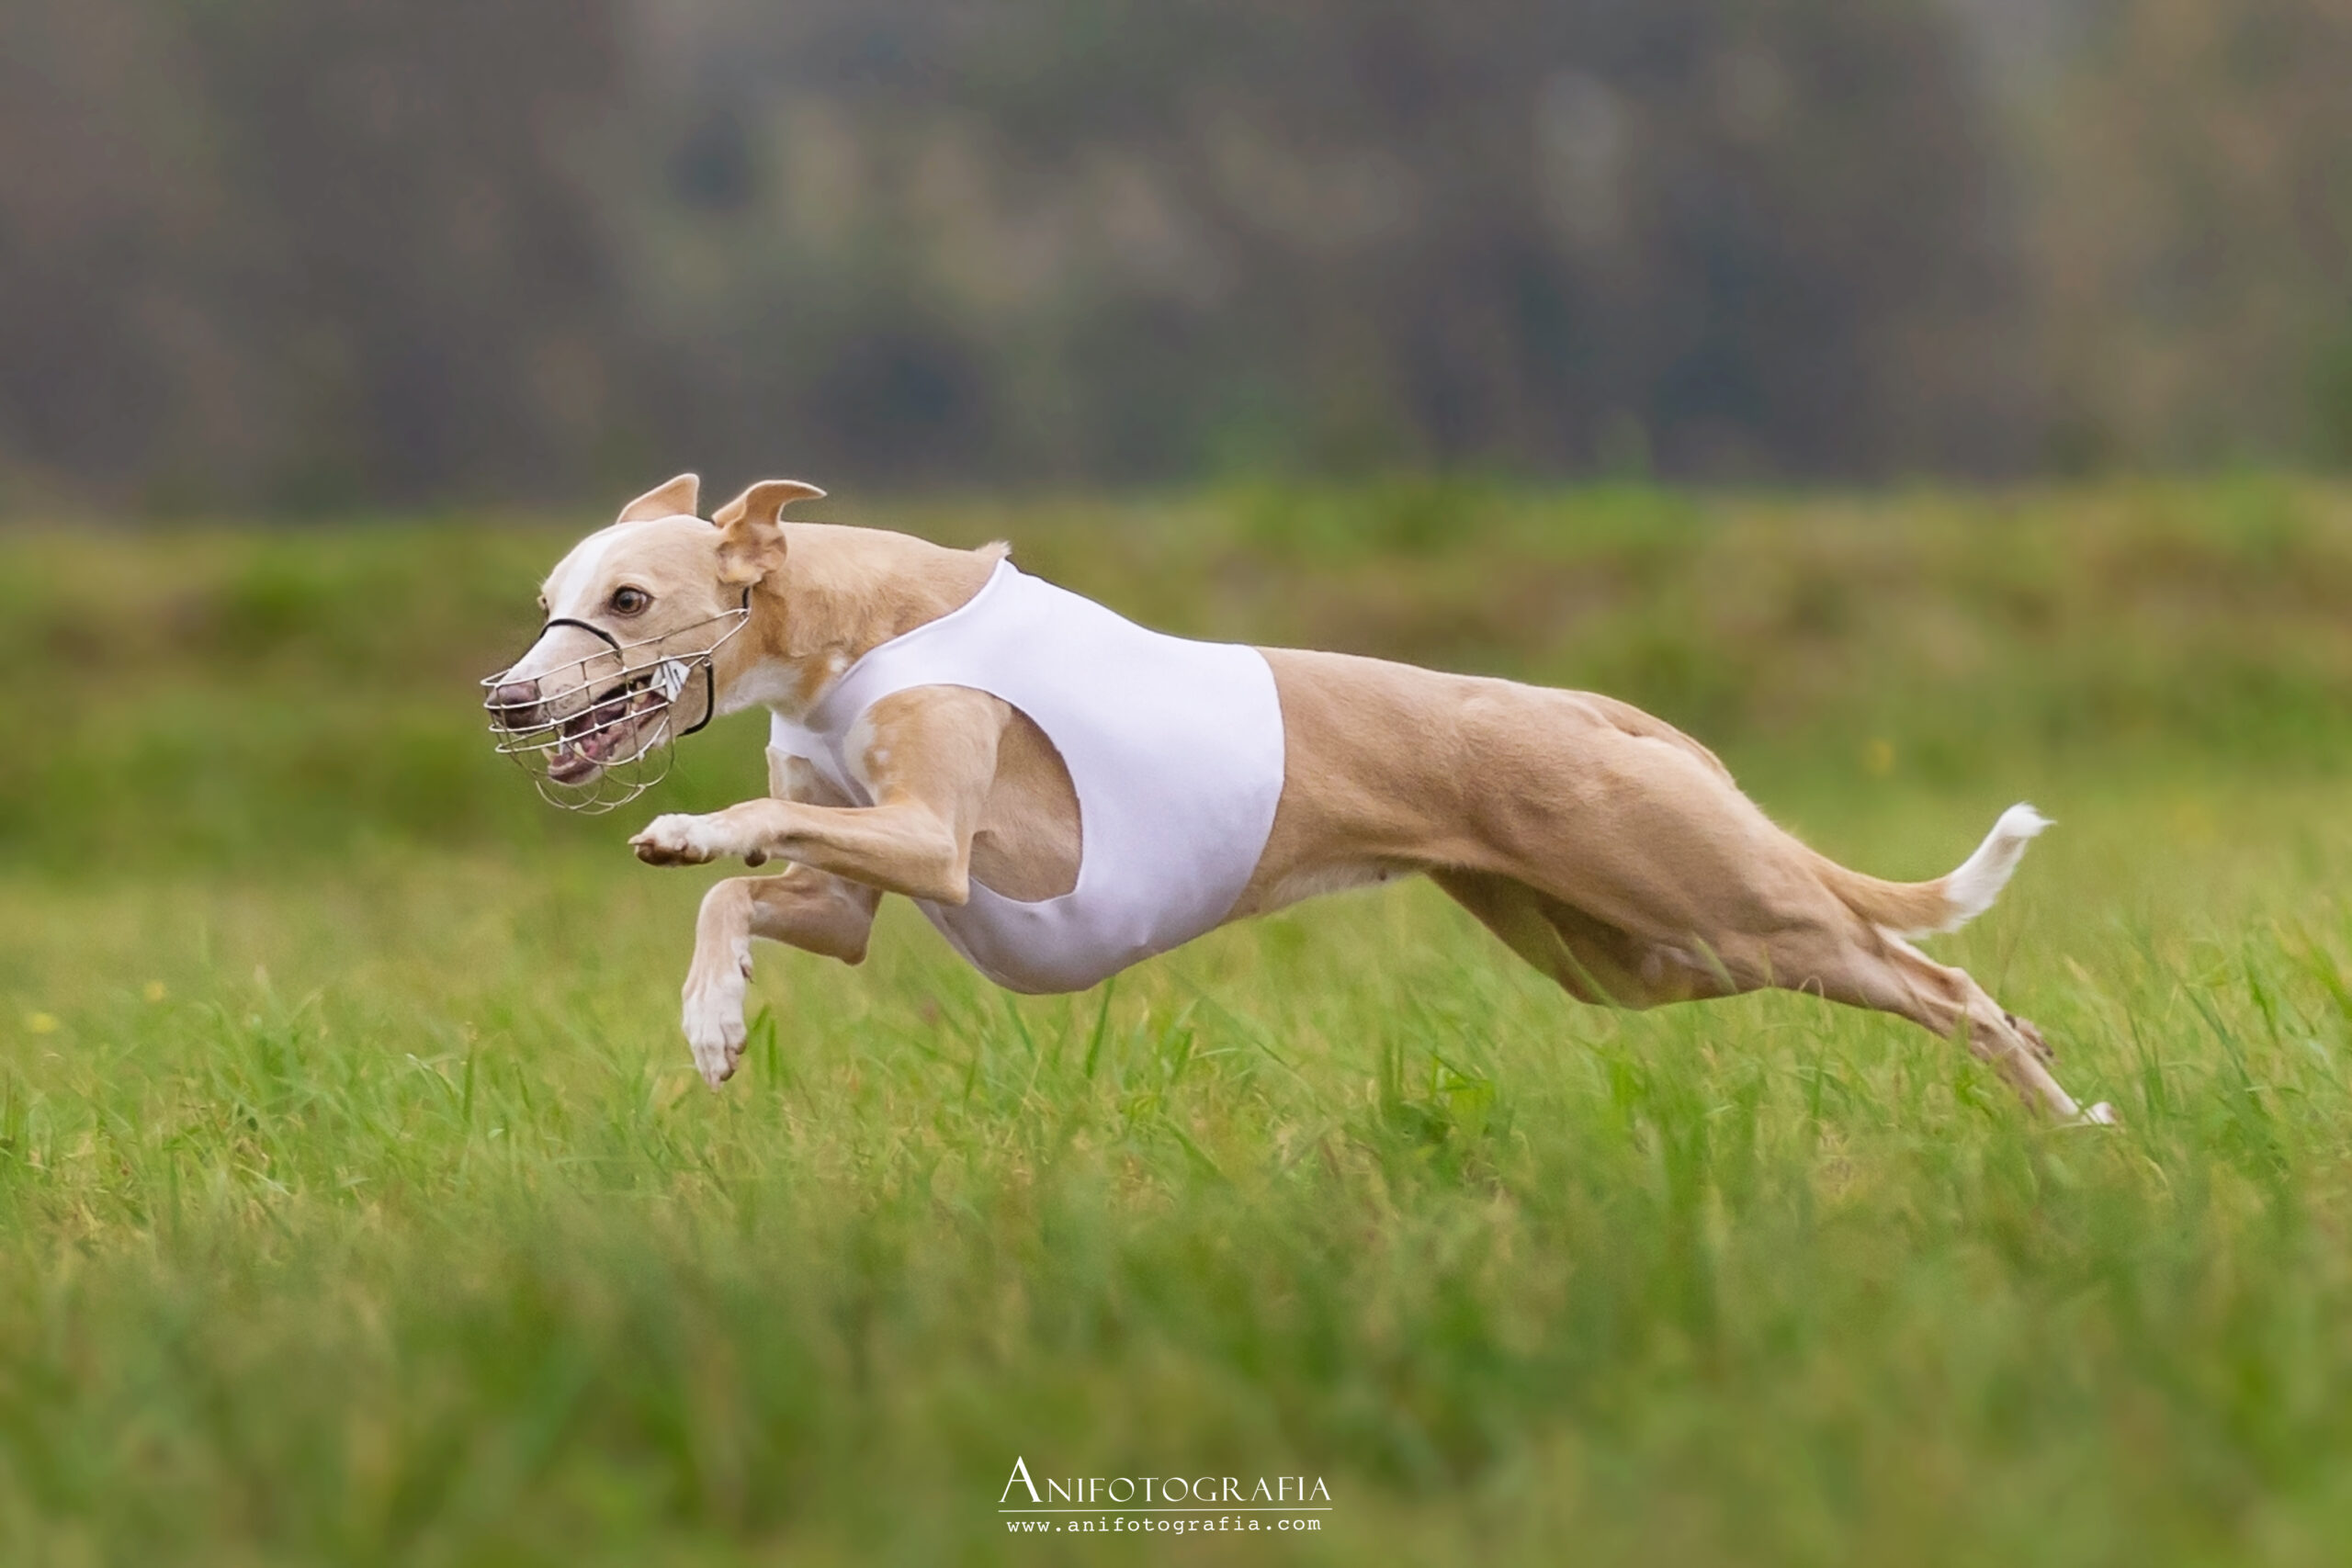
{"x":1174,"y":748}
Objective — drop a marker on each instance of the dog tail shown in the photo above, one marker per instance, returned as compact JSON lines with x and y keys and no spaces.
{"x":1912,"y":910}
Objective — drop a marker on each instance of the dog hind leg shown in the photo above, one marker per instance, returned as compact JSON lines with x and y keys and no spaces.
{"x":1868,"y":968}
{"x":1590,"y":959}
{"x":1664,"y":882}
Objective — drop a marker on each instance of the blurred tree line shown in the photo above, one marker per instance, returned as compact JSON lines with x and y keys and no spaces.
{"x":307,"y":255}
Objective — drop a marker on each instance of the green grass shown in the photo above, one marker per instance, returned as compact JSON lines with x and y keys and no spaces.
{"x":359,"y":1203}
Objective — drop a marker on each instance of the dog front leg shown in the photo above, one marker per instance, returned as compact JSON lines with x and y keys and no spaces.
{"x":904,"y":847}
{"x":927,"y":758}
{"x":803,"y":909}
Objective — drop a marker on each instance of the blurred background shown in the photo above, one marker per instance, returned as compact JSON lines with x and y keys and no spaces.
{"x":1930,"y":404}
{"x":302,"y":256}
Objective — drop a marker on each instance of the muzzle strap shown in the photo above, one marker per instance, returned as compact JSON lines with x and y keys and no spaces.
{"x":591,"y":627}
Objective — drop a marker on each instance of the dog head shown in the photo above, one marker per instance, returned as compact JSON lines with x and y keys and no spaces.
{"x":637,"y":646}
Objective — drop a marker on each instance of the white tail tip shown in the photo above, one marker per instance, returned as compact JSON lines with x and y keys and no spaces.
{"x":1970,"y":890}
{"x":2022,"y":821}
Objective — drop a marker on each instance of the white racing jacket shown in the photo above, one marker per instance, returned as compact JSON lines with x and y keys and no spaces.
{"x":1174,"y":748}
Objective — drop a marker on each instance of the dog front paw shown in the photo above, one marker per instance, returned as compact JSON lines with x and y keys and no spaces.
{"x":713,"y":1019}
{"x":678,"y":840}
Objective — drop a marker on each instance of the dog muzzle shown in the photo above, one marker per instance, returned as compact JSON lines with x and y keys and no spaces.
{"x":599,"y":731}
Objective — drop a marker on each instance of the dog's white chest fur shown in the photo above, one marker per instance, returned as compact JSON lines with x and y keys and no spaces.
{"x":1174,"y":749}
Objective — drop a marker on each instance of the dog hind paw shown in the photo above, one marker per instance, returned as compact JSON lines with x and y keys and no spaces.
{"x":2032,"y":1036}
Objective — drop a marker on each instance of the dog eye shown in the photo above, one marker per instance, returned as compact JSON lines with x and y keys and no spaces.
{"x":630,"y":601}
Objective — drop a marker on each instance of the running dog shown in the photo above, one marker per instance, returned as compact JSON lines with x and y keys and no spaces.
{"x":1065,"y":794}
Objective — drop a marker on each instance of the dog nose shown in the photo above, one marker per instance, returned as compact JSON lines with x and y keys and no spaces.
{"x":513,"y":702}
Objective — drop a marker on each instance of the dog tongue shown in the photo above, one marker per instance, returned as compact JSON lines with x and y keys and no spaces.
{"x":572,"y":760}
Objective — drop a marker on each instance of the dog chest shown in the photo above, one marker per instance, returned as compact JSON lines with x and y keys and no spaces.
{"x":1174,"y":749}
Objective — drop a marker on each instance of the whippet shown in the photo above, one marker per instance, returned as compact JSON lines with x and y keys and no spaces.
{"x":1063,"y":793}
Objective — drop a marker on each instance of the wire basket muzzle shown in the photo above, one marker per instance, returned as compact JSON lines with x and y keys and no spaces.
{"x":601,"y":729}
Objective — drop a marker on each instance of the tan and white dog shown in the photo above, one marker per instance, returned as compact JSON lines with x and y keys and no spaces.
{"x":1602,"y":845}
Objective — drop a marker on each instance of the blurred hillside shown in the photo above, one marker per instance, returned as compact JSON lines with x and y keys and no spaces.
{"x":311,"y":255}
{"x":251,"y":698}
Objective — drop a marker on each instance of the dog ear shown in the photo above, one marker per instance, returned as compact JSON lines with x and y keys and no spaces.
{"x":751,"y":532}
{"x":675,"y":499}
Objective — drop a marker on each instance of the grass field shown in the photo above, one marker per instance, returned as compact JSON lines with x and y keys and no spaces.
{"x":359,"y":1203}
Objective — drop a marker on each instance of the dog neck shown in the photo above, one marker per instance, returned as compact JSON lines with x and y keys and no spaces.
{"x":841,"y":593}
